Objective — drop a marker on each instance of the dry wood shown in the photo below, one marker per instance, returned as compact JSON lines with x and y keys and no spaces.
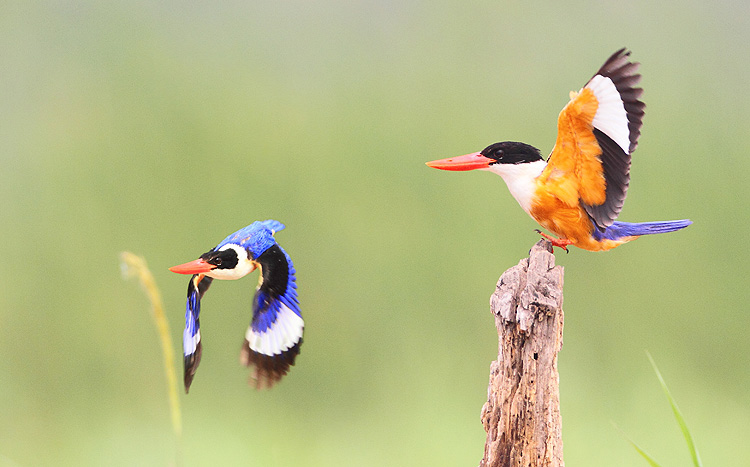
{"x":522,"y":413}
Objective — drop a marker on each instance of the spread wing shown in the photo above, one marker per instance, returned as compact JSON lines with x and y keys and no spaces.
{"x":191,"y":336}
{"x":597,"y":131}
{"x":273,"y":339}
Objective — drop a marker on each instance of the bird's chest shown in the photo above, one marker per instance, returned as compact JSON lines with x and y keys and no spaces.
{"x":523,"y":190}
{"x":564,"y":220}
{"x":521,"y":180}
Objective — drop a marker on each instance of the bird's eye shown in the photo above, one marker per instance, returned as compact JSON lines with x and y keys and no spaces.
{"x":217,"y":261}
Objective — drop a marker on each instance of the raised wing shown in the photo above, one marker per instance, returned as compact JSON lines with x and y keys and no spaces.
{"x":191,"y":336}
{"x":597,"y":131}
{"x":273,"y":339}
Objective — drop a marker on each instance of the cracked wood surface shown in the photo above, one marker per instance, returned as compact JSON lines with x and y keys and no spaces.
{"x":522,"y":412}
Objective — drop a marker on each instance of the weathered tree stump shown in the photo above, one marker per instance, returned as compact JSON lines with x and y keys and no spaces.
{"x":522,"y":413}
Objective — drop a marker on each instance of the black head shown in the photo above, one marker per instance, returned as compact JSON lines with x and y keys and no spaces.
{"x":222,"y":259}
{"x":511,"y":152}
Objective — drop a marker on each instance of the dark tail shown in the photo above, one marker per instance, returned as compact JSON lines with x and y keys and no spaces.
{"x":626,"y":229}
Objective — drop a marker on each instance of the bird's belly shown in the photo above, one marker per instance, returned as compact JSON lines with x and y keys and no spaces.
{"x":570,"y":222}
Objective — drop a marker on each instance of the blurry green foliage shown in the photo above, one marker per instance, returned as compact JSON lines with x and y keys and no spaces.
{"x":160,"y":127}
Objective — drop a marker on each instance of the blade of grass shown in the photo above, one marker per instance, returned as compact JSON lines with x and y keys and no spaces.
{"x":678,"y":416}
{"x":640,"y":451}
{"x":134,"y":265}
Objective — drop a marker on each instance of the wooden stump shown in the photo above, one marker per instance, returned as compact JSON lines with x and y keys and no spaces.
{"x":522,"y":413}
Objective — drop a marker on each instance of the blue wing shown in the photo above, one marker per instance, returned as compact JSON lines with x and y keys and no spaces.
{"x":273,"y":340}
{"x":191,"y":336}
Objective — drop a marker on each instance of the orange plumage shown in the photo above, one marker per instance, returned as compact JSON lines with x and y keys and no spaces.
{"x":573,"y":174}
{"x":579,"y":191}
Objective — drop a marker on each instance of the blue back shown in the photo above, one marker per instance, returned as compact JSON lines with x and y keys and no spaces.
{"x":256,"y":237}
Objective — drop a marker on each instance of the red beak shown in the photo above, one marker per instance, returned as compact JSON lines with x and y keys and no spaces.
{"x":471,"y":161}
{"x":193,"y":267}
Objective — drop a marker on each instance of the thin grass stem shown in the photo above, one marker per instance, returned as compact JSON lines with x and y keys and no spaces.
{"x":678,"y":416}
{"x":134,"y":265}
{"x":638,"y":449}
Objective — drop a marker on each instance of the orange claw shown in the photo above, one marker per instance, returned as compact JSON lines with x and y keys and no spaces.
{"x":558,"y":242}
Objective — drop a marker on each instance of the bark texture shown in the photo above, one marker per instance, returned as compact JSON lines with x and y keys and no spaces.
{"x":522,"y":413}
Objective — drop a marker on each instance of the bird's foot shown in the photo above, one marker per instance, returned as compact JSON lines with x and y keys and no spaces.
{"x":558,"y":242}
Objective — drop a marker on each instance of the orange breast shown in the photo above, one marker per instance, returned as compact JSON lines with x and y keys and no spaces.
{"x":558,"y":217}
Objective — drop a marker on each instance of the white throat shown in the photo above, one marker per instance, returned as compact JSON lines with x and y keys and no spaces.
{"x":244,"y":265}
{"x":521,"y":180}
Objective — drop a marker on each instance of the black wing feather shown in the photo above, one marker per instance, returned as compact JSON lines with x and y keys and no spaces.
{"x":278,"y":272}
{"x":615,"y":161}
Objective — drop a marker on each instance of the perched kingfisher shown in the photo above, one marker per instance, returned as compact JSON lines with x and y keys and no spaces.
{"x":273,"y":339}
{"x":579,"y":191}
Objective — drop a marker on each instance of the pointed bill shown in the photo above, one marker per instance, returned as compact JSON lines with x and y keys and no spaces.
{"x":471,"y":161}
{"x":193,"y":267}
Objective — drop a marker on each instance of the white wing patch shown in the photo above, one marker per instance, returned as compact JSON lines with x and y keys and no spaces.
{"x":611,"y":117}
{"x":190,"y":343}
{"x":281,"y":336}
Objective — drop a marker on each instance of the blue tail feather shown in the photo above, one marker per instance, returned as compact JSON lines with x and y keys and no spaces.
{"x":619,"y":230}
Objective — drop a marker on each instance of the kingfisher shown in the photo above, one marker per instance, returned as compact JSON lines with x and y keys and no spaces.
{"x":579,"y":191}
{"x":273,"y":339}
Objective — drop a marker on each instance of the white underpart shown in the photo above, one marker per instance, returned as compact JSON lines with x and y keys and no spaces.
{"x":281,"y":336}
{"x":611,"y":117}
{"x":244,"y":265}
{"x":520,"y":179}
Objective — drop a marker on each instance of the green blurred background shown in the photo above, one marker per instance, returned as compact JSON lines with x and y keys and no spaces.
{"x":160,"y":127}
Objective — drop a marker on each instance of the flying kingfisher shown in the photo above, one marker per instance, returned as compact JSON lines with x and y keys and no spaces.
{"x":579,"y":191}
{"x":273,"y":339}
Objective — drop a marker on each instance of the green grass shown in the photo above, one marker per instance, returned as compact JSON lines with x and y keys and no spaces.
{"x":134,"y":265}
{"x":680,"y":421}
{"x":144,"y":127}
